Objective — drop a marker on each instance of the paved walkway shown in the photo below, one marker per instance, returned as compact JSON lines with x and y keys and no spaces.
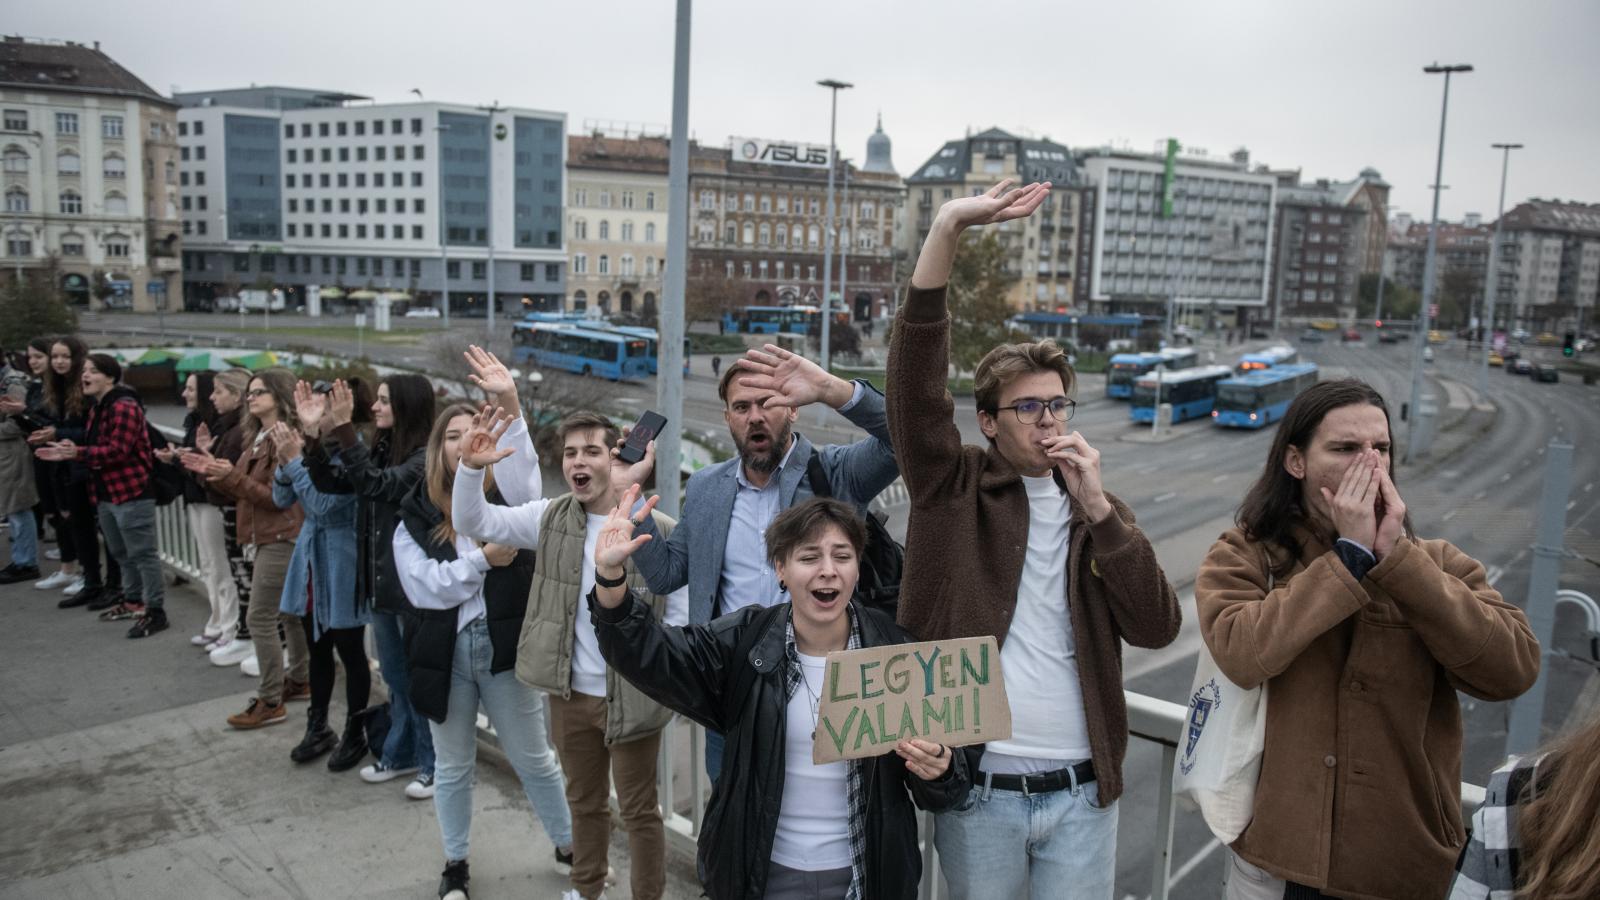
{"x":119,"y":779}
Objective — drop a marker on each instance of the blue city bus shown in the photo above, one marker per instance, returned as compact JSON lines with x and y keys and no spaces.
{"x":650,"y":337}
{"x":1255,"y":399}
{"x":582,"y":351}
{"x":1176,"y":358}
{"x":773,"y":320}
{"x":1191,"y":392}
{"x":1280,"y":355}
{"x":1126,"y":368}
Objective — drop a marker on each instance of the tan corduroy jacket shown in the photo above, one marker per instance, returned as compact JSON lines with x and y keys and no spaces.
{"x":1360,"y":779}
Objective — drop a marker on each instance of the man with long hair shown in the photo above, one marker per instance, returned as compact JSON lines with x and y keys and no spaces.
{"x":1362,"y":634}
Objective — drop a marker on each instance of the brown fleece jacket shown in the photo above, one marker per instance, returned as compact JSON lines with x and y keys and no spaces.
{"x":968,"y":535}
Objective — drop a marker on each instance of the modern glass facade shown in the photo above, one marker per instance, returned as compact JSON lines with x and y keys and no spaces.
{"x":254,"y":177}
{"x":464,"y":176}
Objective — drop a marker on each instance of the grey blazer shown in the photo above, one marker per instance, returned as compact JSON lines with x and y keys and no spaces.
{"x":693,"y":554}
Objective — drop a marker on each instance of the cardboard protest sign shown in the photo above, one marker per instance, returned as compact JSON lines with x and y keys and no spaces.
{"x":949,"y":692}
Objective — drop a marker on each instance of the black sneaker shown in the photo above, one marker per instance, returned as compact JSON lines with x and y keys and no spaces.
{"x":564,"y":860}
{"x":83,"y":598}
{"x":453,"y":883}
{"x":107,"y":599}
{"x":14,"y":573}
{"x":152,"y":621}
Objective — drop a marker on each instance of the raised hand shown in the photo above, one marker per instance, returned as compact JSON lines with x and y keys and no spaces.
{"x":793,"y":380}
{"x":202,"y":438}
{"x":616,"y":541}
{"x":286,"y":443}
{"x":1079,"y":464}
{"x":309,"y":408}
{"x":218,"y":469}
{"x":1392,"y":526}
{"x":624,"y":475}
{"x":341,"y":404}
{"x":1000,"y":203}
{"x":491,"y":376}
{"x":197,"y":461}
{"x":1353,"y":507}
{"x":43,"y":436}
{"x":478,"y":445}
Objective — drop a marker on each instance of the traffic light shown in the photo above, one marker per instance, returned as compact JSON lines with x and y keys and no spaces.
{"x":1566,"y":344}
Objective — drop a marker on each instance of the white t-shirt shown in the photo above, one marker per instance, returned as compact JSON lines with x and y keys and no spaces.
{"x":1048,"y":727}
{"x":814,"y":821}
{"x":588,"y":666}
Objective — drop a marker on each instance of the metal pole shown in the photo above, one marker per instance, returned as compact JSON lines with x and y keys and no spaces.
{"x":444,"y":257}
{"x":1527,"y":713}
{"x":669,"y":381}
{"x":1491,"y":279}
{"x":1429,"y":267}
{"x":844,"y":241}
{"x":829,"y":224}
{"x":1377,"y":315}
{"x":489,"y":203}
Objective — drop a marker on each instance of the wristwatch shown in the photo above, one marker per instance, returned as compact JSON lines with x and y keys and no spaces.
{"x":604,"y":582}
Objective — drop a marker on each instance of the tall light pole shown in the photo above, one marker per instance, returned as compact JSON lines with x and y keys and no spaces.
{"x":491,"y":109}
{"x":834,"y":87}
{"x":444,"y":257}
{"x":844,"y":239}
{"x":1430,"y":265}
{"x":669,"y":383}
{"x":1491,"y":279}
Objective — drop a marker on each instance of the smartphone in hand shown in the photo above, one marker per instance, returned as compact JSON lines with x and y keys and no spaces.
{"x":644,"y":431}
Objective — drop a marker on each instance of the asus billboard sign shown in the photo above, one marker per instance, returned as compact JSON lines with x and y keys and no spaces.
{"x":756,"y":150}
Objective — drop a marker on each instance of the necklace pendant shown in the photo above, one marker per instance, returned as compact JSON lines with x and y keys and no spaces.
{"x":813,"y":734}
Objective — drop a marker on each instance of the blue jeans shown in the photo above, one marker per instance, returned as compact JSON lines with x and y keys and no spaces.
{"x":714,"y":742}
{"x":519,"y":716}
{"x":1007,"y":844}
{"x":130,"y":533}
{"x":24,"y":539}
{"x":409,"y":743}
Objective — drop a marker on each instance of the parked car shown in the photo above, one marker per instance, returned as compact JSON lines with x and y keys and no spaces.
{"x":1546,"y":339}
{"x":1496,"y":359}
{"x":1435,"y":337}
{"x":1310,"y":336}
{"x":1351,"y":336}
{"x":1388,"y":337}
{"x":1427,"y":354}
{"x":1325,"y":325}
{"x":422,"y":312}
{"x":1520,"y":367}
{"x":1521,"y":335}
{"x":1546,"y":373}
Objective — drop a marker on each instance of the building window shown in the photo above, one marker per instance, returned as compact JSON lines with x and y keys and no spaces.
{"x":762,"y":269}
{"x":71,"y":203}
{"x":766,"y":203}
{"x":479,"y":271}
{"x":526,"y":271}
{"x":625,"y":263}
{"x":650,"y":232}
{"x":605,"y":265}
{"x":649,"y":199}
{"x":605,"y":226}
{"x":783,"y":204}
{"x":111,"y":127}
{"x":813,"y":236}
{"x":416,"y":232}
{"x":66,"y":123}
{"x":649,"y":267}
{"x":605,"y":199}
{"x":782,"y":235}
{"x":730,"y":268}
{"x":749,"y":233}
{"x":16,"y":120}
{"x":16,"y":160}
{"x":16,"y":200}
{"x":730,"y":234}
{"x":730,"y":202}
{"x":745,"y":269}
{"x":344,"y":231}
{"x":580,"y":263}
{"x":580,"y":229}
{"x":18,"y":245}
{"x":797,"y":232}
{"x":200,"y":227}
{"x":416,"y":152}
{"x":71,"y":245}
{"x":68,"y":163}
{"x":116,"y":245}
{"x":416,"y":179}
{"x":416,"y":126}
{"x":706,"y":232}
{"x":627,"y":199}
{"x":708,"y":199}
{"x":749,"y":204}
{"x":200,"y":152}
{"x":627,"y":230}
{"x":766,"y":234}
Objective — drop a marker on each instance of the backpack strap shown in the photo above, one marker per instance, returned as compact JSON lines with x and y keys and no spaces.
{"x":818,"y":476}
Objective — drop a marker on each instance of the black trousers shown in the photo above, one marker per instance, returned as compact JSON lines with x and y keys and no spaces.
{"x":81,"y":542}
{"x":350,"y":645}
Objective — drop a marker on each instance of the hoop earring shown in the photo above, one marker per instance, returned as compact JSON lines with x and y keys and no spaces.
{"x":783,"y":588}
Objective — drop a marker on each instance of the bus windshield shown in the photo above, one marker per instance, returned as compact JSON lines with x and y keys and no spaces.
{"x":1238,"y":396}
{"x":1144,"y":394}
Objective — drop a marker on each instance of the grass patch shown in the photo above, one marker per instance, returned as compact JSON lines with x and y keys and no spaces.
{"x":705,"y":342}
{"x":336,"y":332}
{"x":959,"y":387}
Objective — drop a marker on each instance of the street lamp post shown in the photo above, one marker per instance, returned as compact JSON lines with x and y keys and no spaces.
{"x":834,"y":87}
{"x":492,"y":108}
{"x":1429,"y":268}
{"x":669,"y":385}
{"x":444,"y":258}
{"x":1491,"y":279}
{"x":844,"y":238}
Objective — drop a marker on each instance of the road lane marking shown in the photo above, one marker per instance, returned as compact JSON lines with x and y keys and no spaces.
{"x":1493,"y":574}
{"x":1450,"y":515}
{"x":1165,"y":497}
{"x":1479,"y":495}
{"x":1505,"y":478}
{"x":1571,"y":504}
{"x":1223,"y":477}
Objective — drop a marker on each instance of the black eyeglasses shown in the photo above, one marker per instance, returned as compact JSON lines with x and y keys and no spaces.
{"x":1030,"y":412}
{"x":256,"y":393}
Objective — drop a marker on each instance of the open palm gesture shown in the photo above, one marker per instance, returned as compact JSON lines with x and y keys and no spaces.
{"x":616,"y":540}
{"x":1000,"y":203}
{"x":478,"y":445}
{"x":793,"y":380}
{"x":490,"y":375}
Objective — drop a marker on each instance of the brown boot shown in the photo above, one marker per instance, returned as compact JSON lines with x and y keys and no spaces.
{"x":258,"y":715}
{"x":296,"y":690}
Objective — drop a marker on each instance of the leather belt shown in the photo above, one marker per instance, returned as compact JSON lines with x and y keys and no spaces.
{"x":1042,"y":782}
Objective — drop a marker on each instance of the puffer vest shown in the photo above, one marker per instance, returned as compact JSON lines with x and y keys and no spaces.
{"x":544,"y":652}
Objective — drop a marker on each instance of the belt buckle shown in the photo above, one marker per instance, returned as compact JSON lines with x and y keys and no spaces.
{"x":1025,"y":791}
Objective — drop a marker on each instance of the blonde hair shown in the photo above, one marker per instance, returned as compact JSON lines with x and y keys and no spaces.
{"x":1008,"y":362}
{"x":440,"y":478}
{"x":235,"y":380}
{"x":1559,"y":829}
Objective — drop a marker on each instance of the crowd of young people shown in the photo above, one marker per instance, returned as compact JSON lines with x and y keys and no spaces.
{"x":580,"y":624}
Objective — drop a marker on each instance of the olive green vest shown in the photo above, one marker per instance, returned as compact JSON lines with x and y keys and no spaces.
{"x":544,"y":651}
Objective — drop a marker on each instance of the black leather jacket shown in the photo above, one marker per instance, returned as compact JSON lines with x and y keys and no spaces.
{"x":729,"y":675}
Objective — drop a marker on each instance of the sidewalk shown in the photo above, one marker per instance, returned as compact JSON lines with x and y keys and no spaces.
{"x":121,"y":780}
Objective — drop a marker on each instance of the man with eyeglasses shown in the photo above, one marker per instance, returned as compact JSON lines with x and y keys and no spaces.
{"x":1019,"y":540}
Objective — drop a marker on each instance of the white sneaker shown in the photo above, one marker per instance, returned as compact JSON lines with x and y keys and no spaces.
{"x":203,"y":640}
{"x":58,"y":580}
{"x":572,"y":894}
{"x":232,"y":653}
{"x":251,"y":667}
{"x":421,"y":787}
{"x":218,"y":643}
{"x":377,"y":773}
{"x":53,"y":554}
{"x":74,"y":587}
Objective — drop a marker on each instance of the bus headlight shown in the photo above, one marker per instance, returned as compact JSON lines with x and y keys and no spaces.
{"x":1252,"y":417}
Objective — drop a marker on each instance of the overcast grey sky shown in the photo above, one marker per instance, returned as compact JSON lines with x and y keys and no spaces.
{"x":1327,"y":87}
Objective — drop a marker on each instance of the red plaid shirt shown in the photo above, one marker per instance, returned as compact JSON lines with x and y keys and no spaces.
{"x":118,"y":450}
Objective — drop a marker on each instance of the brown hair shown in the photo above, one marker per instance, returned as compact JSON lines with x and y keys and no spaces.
{"x":733,"y":371}
{"x":441,"y":479}
{"x":64,"y":393}
{"x":280,"y":383}
{"x":1272,"y":506}
{"x":588,"y":421}
{"x":1559,"y":828}
{"x":1008,"y":362}
{"x":806,"y":521}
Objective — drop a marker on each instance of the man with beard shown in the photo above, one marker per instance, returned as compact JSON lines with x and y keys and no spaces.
{"x":717,"y":548}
